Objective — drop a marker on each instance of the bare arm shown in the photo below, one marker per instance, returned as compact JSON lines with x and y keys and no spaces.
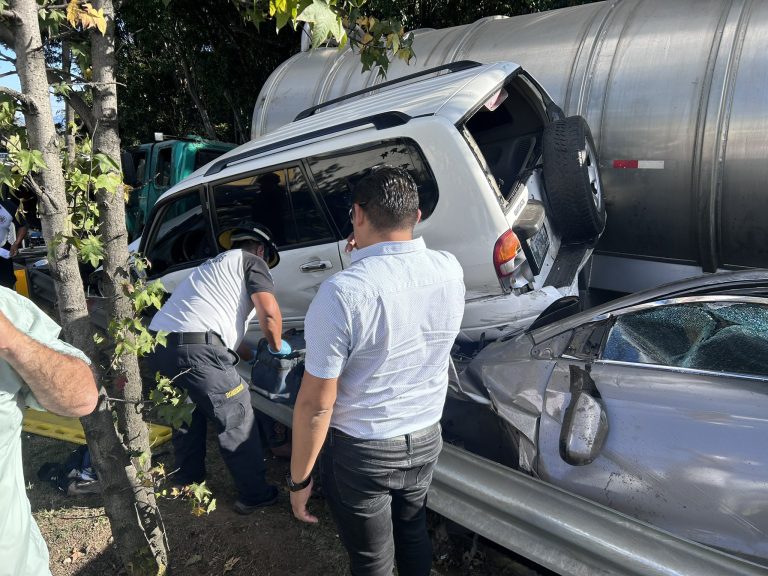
{"x":20,"y":235}
{"x":61,"y":383}
{"x":311,"y":419}
{"x":270,"y":318}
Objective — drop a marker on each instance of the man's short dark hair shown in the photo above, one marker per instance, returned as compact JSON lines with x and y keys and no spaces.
{"x":389,"y":197}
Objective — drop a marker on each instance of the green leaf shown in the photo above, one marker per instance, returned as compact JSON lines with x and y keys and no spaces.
{"x":109,"y":182}
{"x":325,"y":22}
{"x":28,"y":161}
{"x":91,"y":250}
{"x":105,"y":163}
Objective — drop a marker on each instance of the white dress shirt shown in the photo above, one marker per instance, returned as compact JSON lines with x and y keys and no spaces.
{"x":385,"y":327}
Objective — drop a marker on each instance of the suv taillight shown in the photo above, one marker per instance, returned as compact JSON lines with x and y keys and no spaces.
{"x":506,"y":255}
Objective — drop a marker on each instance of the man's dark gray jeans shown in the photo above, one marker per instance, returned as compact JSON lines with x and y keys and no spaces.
{"x":377,"y":491}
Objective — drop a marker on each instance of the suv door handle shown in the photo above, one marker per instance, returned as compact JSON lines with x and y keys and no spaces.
{"x":316,"y":266}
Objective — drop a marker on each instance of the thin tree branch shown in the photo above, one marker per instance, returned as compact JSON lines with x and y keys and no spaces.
{"x":40,"y":192}
{"x":62,"y":73}
{"x":7,"y":58}
{"x":6,"y":36}
{"x":66,"y":34}
{"x":78,"y":80}
{"x":82,"y":109}
{"x":9,"y":15}
{"x":26,"y":101}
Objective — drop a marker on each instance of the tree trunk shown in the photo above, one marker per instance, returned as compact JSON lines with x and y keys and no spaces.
{"x":52,"y":204}
{"x":191,"y":86}
{"x":69,"y":113}
{"x":116,"y":266}
{"x":124,"y":495}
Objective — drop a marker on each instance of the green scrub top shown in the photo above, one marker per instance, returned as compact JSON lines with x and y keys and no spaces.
{"x":22,"y":549}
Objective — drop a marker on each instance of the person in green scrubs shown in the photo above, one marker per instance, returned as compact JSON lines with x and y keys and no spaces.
{"x":39,"y":370}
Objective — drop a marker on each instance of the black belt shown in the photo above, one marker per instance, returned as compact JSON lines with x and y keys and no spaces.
{"x":179,"y":338}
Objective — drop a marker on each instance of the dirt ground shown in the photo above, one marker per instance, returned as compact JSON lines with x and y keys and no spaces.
{"x":269,"y":542}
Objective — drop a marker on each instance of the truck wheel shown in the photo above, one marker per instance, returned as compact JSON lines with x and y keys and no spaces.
{"x":573,"y":182}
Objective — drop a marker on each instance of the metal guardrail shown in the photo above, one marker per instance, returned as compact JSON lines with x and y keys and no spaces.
{"x":563,"y":532}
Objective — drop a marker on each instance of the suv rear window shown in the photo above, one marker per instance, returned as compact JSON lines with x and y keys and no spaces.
{"x":334,"y":173}
{"x":509,"y":133}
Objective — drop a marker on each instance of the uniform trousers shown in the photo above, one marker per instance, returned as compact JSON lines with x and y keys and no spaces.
{"x":207,"y":372}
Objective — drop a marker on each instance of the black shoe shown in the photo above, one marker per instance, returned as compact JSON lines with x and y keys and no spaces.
{"x":244,"y":508}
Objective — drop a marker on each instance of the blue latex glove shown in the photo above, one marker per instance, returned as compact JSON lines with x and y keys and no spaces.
{"x":285,"y":349}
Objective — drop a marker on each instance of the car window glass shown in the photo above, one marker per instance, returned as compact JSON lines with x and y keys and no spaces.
{"x":716,"y":336}
{"x":163,"y":169}
{"x":140,"y":161}
{"x":180,"y":235}
{"x":335,"y":173}
{"x":280,"y":200}
{"x":203,"y":156}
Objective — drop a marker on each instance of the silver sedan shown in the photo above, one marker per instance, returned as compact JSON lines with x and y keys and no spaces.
{"x":655,"y":404}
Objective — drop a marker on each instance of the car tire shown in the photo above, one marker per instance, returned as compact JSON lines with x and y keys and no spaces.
{"x":573,"y":183}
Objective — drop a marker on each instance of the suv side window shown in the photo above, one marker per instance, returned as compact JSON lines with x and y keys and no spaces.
{"x":719,"y":336}
{"x":335,"y":173}
{"x":280,"y":200}
{"x":180,"y":234}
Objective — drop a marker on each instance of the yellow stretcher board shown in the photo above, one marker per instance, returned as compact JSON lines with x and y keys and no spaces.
{"x":22,"y":287}
{"x":70,"y":429}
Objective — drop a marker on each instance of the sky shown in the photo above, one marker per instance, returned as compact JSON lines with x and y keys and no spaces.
{"x":8,"y":81}
{"x":12,"y":81}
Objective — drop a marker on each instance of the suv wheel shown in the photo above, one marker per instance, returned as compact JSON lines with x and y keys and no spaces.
{"x":573,"y":182}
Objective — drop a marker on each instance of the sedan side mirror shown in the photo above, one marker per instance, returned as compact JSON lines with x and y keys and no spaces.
{"x":585,"y":424}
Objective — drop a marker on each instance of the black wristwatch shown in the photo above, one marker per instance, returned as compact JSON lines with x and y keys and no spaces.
{"x":297,"y":486}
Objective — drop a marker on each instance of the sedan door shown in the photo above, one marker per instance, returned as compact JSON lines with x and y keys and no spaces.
{"x":683,"y":391}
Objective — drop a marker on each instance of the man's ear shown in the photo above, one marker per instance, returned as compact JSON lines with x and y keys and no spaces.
{"x":418,"y":215}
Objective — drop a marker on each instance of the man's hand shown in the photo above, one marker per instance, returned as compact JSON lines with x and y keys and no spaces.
{"x":299,"y":505}
{"x":14,"y":250}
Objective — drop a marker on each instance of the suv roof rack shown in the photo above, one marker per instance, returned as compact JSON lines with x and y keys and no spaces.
{"x":457,"y":66}
{"x":379,"y":121}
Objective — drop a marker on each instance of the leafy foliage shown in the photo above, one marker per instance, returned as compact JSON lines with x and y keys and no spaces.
{"x":228,"y":59}
{"x":171,"y":405}
{"x":198,"y":495}
{"x":84,"y":15}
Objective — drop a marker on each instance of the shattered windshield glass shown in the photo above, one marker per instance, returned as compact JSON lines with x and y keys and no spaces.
{"x":718,"y":336}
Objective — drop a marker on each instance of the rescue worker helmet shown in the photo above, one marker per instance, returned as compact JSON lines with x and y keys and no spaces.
{"x":250,"y":230}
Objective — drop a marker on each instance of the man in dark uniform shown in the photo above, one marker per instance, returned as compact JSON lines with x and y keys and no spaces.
{"x":206,"y":319}
{"x":13,"y":229}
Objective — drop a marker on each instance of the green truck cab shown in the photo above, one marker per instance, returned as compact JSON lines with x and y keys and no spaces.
{"x":150,"y":169}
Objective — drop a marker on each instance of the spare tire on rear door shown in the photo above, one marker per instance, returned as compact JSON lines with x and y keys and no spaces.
{"x":572,"y":179}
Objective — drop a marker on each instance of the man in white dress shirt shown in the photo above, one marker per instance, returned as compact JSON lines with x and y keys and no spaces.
{"x":378,"y":336}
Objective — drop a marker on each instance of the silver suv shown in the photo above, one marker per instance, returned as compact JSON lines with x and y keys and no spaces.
{"x":507,"y":184}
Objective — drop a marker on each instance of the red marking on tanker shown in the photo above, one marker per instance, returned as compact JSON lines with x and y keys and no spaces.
{"x":639,"y":164}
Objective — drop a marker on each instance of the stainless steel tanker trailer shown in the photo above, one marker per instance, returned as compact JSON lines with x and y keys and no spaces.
{"x":676,"y":94}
